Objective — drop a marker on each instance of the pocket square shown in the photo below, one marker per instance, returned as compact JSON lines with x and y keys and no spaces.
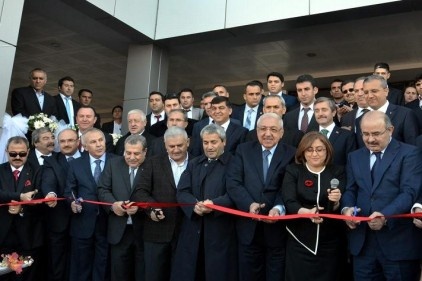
{"x":27,"y":183}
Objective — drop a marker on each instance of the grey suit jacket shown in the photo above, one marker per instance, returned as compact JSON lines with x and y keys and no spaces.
{"x":197,"y":113}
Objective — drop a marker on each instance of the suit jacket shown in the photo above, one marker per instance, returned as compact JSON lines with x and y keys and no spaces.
{"x":157,"y":185}
{"x":81,"y":182}
{"x":108,"y":127}
{"x":114,"y":185}
{"x":235,"y":135}
{"x":197,"y":113}
{"x":25,"y":102}
{"x":203,"y":180}
{"x":239,"y":113}
{"x":54,"y":173}
{"x":343,"y":142}
{"x":291,"y":102}
{"x":395,"y":189}
{"x":28,"y":227}
{"x":148,"y":125}
{"x":61,"y":109}
{"x":120,"y":145}
{"x":406,"y":127}
{"x":245,"y":185}
{"x":158,"y":129}
{"x":414,"y":105}
{"x":395,"y":96}
{"x":291,"y":118}
{"x":349,"y":119}
{"x":292,"y":138}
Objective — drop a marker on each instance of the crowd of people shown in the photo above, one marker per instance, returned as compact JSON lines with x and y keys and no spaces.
{"x":141,"y":208}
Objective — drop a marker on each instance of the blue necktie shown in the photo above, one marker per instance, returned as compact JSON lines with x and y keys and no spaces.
{"x":69,"y":113}
{"x":265,"y":165}
{"x":97,"y":170}
{"x":132,"y":177}
{"x":376,"y":166}
{"x":248,"y":119}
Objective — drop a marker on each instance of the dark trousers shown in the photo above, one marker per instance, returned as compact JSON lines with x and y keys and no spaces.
{"x":127,"y":258}
{"x":89,"y":256}
{"x":259,"y":261}
{"x":58,"y":255}
{"x":372,"y":265}
{"x":158,"y":260}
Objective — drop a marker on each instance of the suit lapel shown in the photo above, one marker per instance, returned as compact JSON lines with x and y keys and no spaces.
{"x":124,"y":172}
{"x":257,"y":154}
{"x":334,"y":135}
{"x":388,"y":157}
{"x":24,"y":180}
{"x":168,"y":173}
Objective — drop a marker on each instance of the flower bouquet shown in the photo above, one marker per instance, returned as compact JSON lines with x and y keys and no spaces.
{"x":116,"y":138}
{"x":14,"y":262}
{"x":41,"y":120}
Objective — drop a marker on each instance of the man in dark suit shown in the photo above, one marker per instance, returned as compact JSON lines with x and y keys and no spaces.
{"x":275,"y":83}
{"x":115,"y":126}
{"x":342,"y":140}
{"x":43,"y":142}
{"x":275,"y":104}
{"x":125,"y":222}
{"x":53,"y":184}
{"x":384,"y":179}
{"x":207,"y":238}
{"x":254,"y":180}
{"x":85,"y":118}
{"x":88,"y":226}
{"x":85,"y":98}
{"x":395,"y":96}
{"x":406,"y":127}
{"x":66,"y":106}
{"x":33,"y":99}
{"x":416,"y":105}
{"x":302,"y":118}
{"x":20,"y":230}
{"x":158,"y":184}
{"x":186,"y":100}
{"x":156,"y":104}
{"x":350,"y":119}
{"x":137,"y":121}
{"x":249,"y":112}
{"x":221,"y":110}
{"x":171,"y":101}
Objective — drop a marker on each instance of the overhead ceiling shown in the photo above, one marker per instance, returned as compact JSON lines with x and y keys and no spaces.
{"x":343,"y":44}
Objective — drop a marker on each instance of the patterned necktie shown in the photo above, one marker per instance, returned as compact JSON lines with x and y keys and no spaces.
{"x":305,"y":120}
{"x":265,"y":165}
{"x":70,"y":158}
{"x":16,"y":175}
{"x":97,"y":170}
{"x":132,"y":177}
{"x":376,"y":166}
{"x":248,"y":119}
{"x":324,"y":132}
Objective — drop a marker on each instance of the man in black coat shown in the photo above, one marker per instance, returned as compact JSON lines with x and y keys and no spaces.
{"x":66,"y":106}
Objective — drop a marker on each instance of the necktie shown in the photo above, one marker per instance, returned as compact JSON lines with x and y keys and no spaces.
{"x":305,"y":120}
{"x":132,"y":176}
{"x":97,"y":170}
{"x":157,"y":117}
{"x":70,"y":158}
{"x":376,"y":166}
{"x":364,"y":110}
{"x":265,"y":165}
{"x":248,"y":119}
{"x":69,"y":113}
{"x":16,"y":174}
{"x":324,"y":132}
{"x":186,"y":110}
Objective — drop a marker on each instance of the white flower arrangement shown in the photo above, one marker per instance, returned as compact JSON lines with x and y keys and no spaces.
{"x":41,"y":120}
{"x":116,"y":138}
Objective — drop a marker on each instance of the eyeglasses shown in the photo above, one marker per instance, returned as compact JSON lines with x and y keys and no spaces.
{"x":273,"y":130}
{"x":21,"y":154}
{"x":374,"y":135}
{"x":318,"y":149}
{"x":350,"y":90}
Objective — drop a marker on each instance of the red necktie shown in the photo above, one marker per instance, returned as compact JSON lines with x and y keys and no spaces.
{"x":16,"y":174}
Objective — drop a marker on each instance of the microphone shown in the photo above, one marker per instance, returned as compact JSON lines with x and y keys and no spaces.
{"x":334,"y":185}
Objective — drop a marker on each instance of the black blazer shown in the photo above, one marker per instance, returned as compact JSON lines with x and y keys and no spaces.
{"x":239,"y":113}
{"x":291,"y":118}
{"x":414,"y":105}
{"x":25,"y":102}
{"x":108,"y":127}
{"x":395,"y":96}
{"x":158,"y":129}
{"x":349,"y":119}
{"x":61,"y":109}
{"x":343,"y":142}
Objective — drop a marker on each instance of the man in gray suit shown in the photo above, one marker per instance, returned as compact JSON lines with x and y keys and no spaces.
{"x":186,"y":99}
{"x":124,"y":221}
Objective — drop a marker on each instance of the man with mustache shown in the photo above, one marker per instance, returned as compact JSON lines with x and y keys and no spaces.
{"x":342,"y":140}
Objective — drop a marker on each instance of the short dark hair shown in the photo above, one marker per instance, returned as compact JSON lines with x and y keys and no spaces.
{"x":87,"y":106}
{"x":347,"y":82}
{"x":17,"y":140}
{"x":219,"y":85}
{"x":307,"y":141}
{"x":117,"y":106}
{"x":66,"y":78}
{"x":336,"y":81}
{"x":276,"y":74}
{"x":419,"y":77}
{"x":255,"y":83}
{"x":382,"y":65}
{"x":84,"y":90}
{"x":220,"y":99}
{"x":306,"y":78}
{"x":156,"y":93}
{"x":36,"y":70}
{"x":185,"y":90}
{"x":171,"y":96}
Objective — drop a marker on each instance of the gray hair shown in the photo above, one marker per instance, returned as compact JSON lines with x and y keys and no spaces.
{"x":208,"y":94}
{"x":270,"y":115}
{"x":89,"y":131}
{"x":175,"y":132}
{"x":282,"y":101}
{"x":38,"y":132}
{"x":377,"y":78}
{"x":185,"y":116}
{"x":360,"y":79}
{"x":17,"y":140}
{"x":331,"y":103}
{"x":135,"y":139}
{"x":214,"y":129}
{"x":140,"y":112}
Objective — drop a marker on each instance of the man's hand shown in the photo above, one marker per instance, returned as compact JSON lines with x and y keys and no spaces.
{"x":274,"y":212}
{"x":351,"y":212}
{"x":417,"y":221}
{"x":28,"y":195}
{"x":52,"y":203}
{"x":130,"y":210}
{"x":377,"y":222}
{"x":156,"y":215}
{"x":118,"y":209}
{"x":76,"y":206}
{"x":255,"y":208}
{"x":14,"y":210}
